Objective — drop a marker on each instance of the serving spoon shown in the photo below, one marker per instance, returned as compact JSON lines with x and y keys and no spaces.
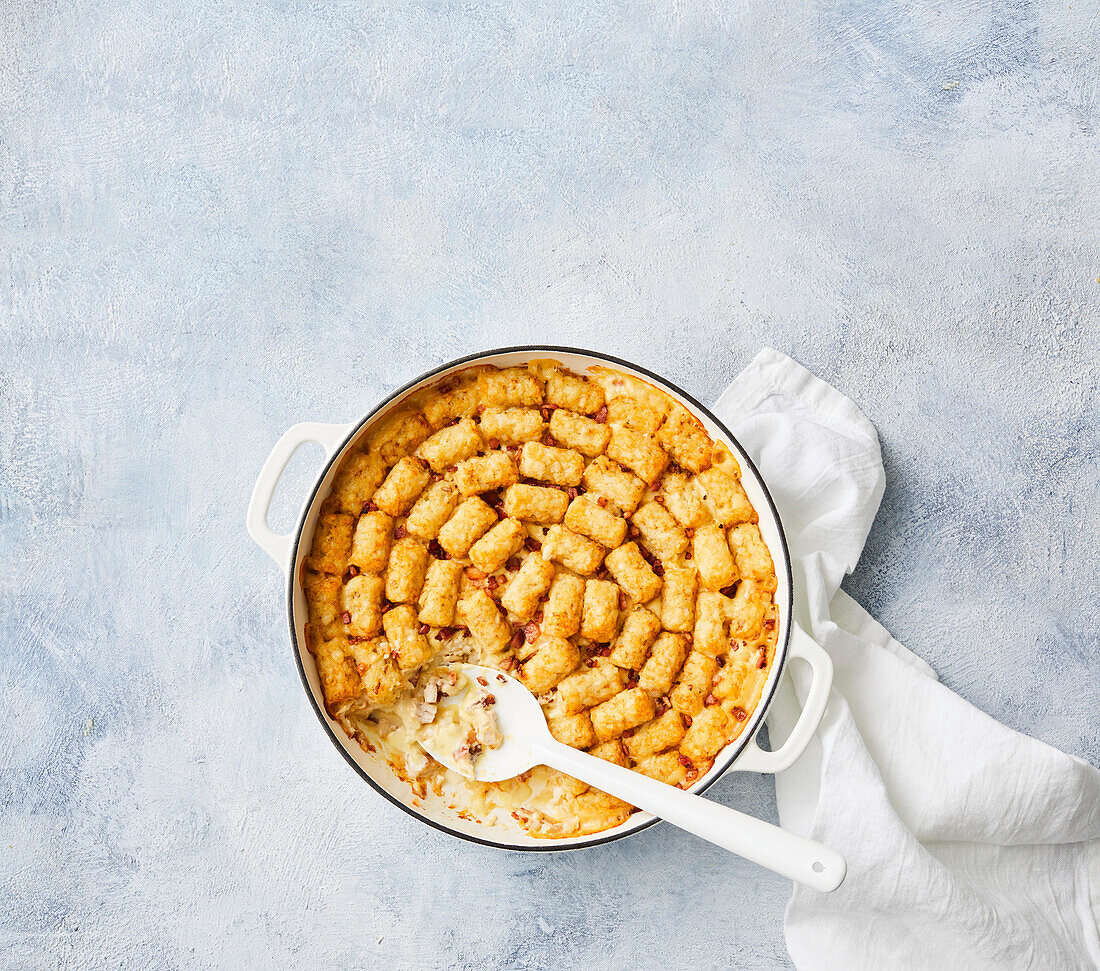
{"x":528,"y":742}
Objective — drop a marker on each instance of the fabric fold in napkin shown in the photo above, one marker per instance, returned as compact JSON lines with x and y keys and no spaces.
{"x":969,"y":845}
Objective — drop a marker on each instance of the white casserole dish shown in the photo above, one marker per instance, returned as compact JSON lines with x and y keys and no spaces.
{"x":288,"y":551}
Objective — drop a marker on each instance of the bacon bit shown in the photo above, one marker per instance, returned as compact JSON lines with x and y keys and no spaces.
{"x":689,"y":533}
{"x":685,"y":761}
{"x":735,"y":645}
{"x":474,"y":573}
{"x":604,"y":651}
{"x":453,"y":421}
{"x":601,"y":415}
{"x":537,"y":616}
{"x":623,"y":600}
{"x":721,"y":661}
{"x":445,"y":388}
{"x":386,"y":605}
{"x":423,"y":629}
{"x":436,"y":477}
{"x":687,"y":555}
{"x":687,"y":721}
{"x":710,"y":700}
{"x":517,"y":640}
{"x":508,"y":663}
{"x":514,"y":448}
{"x":434,"y":548}
{"x":346,"y":616}
{"x":655,"y":485}
{"x":492,"y":583}
{"x":356,"y":639}
{"x":493,"y":443}
{"x":739,"y":713}
{"x":729,"y":591}
{"x":659,"y":568}
{"x":662,"y":705}
{"x":370,"y":507}
{"x":451,"y":468}
{"x":400,"y":532}
{"x":571,"y":491}
{"x":394,"y":655}
{"x":512,"y":564}
{"x":549,"y":440}
{"x":482,"y":681}
{"x":590,"y":663}
{"x":634,"y":532}
{"x":531,"y":632}
{"x":691,"y":775}
{"x":601,"y":501}
{"x":488,"y":700}
{"x":769,"y":624}
{"x":762,"y":660}
{"x":452,"y":678}
{"x":502,"y":679}
{"x":631,"y":678}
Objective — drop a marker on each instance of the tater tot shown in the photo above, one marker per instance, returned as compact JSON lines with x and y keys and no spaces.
{"x":638,"y":452}
{"x":489,"y":629}
{"x":508,"y":387}
{"x":455,"y":398}
{"x":693,"y":685}
{"x":640,"y":414}
{"x":405,"y":571}
{"x":746,"y":610}
{"x":683,"y":499}
{"x":521,"y":596}
{"x":535,"y":504}
{"x":332,"y":541}
{"x":409,"y":647}
{"x":661,"y":534}
{"x":546,"y":463}
{"x":552,"y":661}
{"x":710,"y":623}
{"x":340,"y":681}
{"x":562,"y":614}
{"x":612,"y":751}
{"x":626,"y":710}
{"x":713,"y":558}
{"x":398,"y":436}
{"x":432,"y":510}
{"x":589,"y":686}
{"x":633,"y":573}
{"x":707,"y":735}
{"x":665,"y":660}
{"x":684,"y":438}
{"x":359,"y":477}
{"x":602,"y":477}
{"x":450,"y":445}
{"x":511,"y":426}
{"x":678,"y":599}
{"x":640,"y":629}
{"x":439,"y":595}
{"x":731,"y":504}
{"x":565,"y":390}
{"x":586,"y":436}
{"x":573,"y":730}
{"x":573,"y":551}
{"x":600,"y":615}
{"x":363,"y":604}
{"x":587,"y":517}
{"x":505,"y":538}
{"x":323,"y":591}
{"x":659,"y":735}
{"x":665,"y":767}
{"x":370,"y":549}
{"x":752,"y":556}
{"x":471,"y":520}
{"x":496,"y":470}
{"x":406,"y":480}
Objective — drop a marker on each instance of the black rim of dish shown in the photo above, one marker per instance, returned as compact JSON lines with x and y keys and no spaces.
{"x":322,"y":717}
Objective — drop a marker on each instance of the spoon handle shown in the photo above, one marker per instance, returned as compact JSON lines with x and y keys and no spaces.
{"x":803,"y":860}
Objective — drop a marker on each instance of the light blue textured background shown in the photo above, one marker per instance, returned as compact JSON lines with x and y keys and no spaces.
{"x":217,"y":220}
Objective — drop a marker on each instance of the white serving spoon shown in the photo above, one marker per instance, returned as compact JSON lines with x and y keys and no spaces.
{"x":528,"y":742}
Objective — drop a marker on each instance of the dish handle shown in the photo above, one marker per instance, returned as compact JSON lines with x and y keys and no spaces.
{"x":756,"y":759}
{"x":329,"y":438}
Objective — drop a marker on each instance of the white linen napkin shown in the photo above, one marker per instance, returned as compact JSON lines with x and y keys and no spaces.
{"x":969,"y":845}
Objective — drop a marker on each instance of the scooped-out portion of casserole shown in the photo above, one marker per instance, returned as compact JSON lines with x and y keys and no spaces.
{"x":579,"y":531}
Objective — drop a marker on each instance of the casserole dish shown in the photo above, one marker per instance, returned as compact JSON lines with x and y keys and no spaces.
{"x":290,"y":551}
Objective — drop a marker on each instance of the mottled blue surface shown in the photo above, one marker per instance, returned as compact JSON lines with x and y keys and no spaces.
{"x":217,"y":220}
